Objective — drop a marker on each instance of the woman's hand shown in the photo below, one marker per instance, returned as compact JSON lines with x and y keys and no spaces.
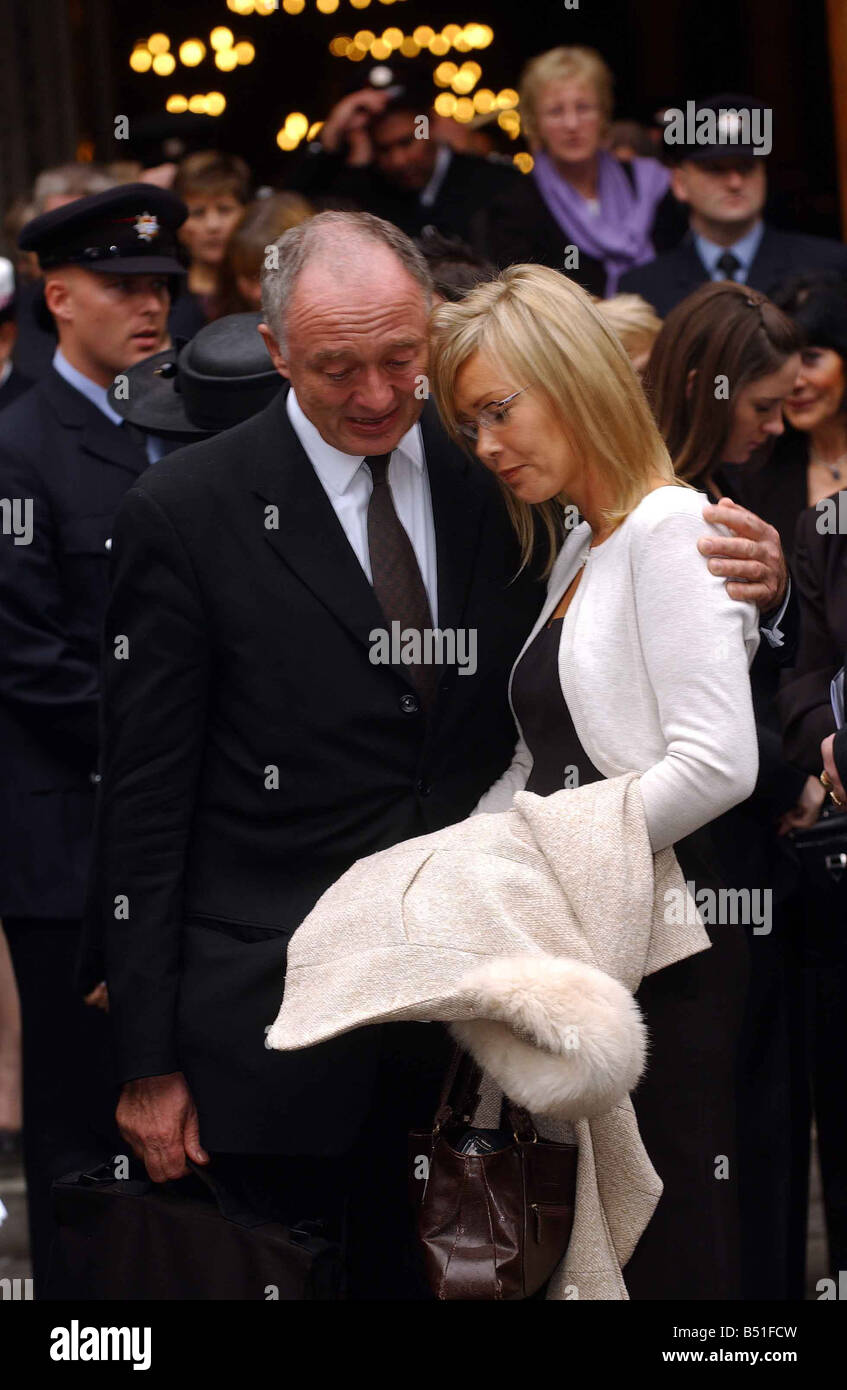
{"x":807,"y":809}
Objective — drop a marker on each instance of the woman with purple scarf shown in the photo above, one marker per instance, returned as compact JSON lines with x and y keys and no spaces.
{"x":577,"y":195}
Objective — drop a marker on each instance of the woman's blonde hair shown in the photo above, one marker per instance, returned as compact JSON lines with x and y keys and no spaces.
{"x":564,"y":65}
{"x":546,"y":332}
{"x":633,"y":319}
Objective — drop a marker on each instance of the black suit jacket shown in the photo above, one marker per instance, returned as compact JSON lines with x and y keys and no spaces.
{"x":252,"y":752}
{"x":14,"y":386}
{"x":60,"y":452}
{"x":470,"y":184}
{"x":670,"y":278}
{"x":820,"y":572}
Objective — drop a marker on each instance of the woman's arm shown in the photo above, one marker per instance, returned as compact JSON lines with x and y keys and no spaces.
{"x":697,"y":645}
{"x":514,"y":779}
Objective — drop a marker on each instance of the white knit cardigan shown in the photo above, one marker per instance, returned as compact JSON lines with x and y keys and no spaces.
{"x":654,"y":666}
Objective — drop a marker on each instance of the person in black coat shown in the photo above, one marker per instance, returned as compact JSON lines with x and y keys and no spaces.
{"x":725,"y":187}
{"x":13,"y":383}
{"x":375,"y":153}
{"x":65,"y":463}
{"x":255,"y":744}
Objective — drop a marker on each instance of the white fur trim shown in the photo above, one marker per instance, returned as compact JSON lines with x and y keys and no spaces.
{"x":559,"y":1037}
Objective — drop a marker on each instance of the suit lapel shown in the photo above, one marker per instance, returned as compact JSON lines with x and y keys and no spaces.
{"x":768,"y":265}
{"x":690,"y":270}
{"x":457,"y":509}
{"x":307,"y":534}
{"x":98,"y":436}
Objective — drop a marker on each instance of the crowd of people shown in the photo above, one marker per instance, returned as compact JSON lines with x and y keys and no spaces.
{"x":221,"y":474}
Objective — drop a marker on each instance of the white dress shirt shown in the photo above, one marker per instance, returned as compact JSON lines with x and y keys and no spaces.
{"x":346,"y":480}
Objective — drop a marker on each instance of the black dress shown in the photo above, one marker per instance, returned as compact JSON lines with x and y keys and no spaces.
{"x":685,"y":1103}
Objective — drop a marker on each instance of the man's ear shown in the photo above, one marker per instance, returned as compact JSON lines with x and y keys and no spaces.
{"x":679,"y":183}
{"x":275,"y":352}
{"x":689,"y":383}
{"x":57,"y":297}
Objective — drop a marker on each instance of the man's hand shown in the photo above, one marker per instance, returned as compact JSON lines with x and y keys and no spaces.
{"x":348,"y":121}
{"x":807,"y":809}
{"x":831,"y":769}
{"x":98,"y":997}
{"x":752,"y":555}
{"x":158,"y":1119}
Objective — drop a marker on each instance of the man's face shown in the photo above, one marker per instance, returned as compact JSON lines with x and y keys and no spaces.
{"x":722,"y":191}
{"x":211,"y":220}
{"x":403,"y":160}
{"x":355,"y":351}
{"x":107,"y":322}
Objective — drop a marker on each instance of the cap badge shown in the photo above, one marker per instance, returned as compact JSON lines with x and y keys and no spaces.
{"x":146,"y":226}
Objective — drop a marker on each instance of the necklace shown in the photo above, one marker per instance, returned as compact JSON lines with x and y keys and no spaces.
{"x":832,"y":468}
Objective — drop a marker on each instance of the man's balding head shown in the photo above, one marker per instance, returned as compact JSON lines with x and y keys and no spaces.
{"x":346,"y":309}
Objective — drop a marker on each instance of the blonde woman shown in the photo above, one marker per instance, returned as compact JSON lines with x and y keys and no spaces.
{"x":578,"y":194}
{"x":638,"y":663}
{"x":636,"y":324}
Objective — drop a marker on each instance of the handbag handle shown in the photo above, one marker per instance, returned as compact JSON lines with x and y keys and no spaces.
{"x":460,"y":1097}
{"x":230,"y":1207}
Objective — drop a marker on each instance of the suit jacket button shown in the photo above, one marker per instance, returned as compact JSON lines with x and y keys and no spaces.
{"x":108,"y":542}
{"x":94,"y":778}
{"x":409,"y":704}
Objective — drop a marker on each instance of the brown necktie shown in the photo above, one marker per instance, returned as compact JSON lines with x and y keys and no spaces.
{"x":397,"y":580}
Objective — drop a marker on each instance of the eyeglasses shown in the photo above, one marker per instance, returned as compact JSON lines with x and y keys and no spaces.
{"x":495,"y":414}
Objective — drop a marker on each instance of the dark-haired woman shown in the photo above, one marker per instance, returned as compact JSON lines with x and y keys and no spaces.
{"x":722,"y":367}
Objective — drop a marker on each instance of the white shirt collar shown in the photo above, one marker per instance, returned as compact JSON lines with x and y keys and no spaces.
{"x":442,"y":164}
{"x":744,"y":249}
{"x":5,"y":373}
{"x":98,"y":395}
{"x":335,"y":469}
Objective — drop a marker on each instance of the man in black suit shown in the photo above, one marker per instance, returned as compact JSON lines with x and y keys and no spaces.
{"x":375,"y":150}
{"x":725,"y":186}
{"x":65,"y":462}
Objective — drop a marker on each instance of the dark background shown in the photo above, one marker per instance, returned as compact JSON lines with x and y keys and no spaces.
{"x":64,"y":74}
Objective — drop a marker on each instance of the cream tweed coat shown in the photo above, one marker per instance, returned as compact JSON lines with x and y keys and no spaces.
{"x":528,"y":931}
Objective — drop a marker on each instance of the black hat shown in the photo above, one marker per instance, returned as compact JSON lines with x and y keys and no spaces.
{"x":219,"y":378}
{"x":128,"y":230}
{"x":718,"y":127}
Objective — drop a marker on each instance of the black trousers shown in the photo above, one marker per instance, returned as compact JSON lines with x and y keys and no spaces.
{"x":361,"y":1197}
{"x":69,"y":1094}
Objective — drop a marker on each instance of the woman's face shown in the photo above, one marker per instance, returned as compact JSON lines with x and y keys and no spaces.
{"x":250,"y":289}
{"x":818,"y":394}
{"x":527,"y":449}
{"x":570,"y":122}
{"x":757,"y":411}
{"x":209,"y":225}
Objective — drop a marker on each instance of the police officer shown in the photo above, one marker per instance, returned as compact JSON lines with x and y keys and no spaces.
{"x":66,"y":459}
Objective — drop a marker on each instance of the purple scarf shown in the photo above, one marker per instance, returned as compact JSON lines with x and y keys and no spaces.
{"x":619,"y":234}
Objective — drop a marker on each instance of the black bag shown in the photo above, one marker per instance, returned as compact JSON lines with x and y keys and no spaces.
{"x":822,"y":853}
{"x":134,"y":1239}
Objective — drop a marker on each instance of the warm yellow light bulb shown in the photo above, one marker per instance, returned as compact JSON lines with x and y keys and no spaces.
{"x":192,"y":52}
{"x":339,"y":45}
{"x":265,"y":7}
{"x":297,"y":124}
{"x":444,"y":74}
{"x":422,"y":34}
{"x":197,"y":104}
{"x":215,"y":103}
{"x":484,"y":101}
{"x":244,"y":52}
{"x":286,"y":141}
{"x":164,"y":64}
{"x":327,"y":6}
{"x":507,"y":97}
{"x":360,"y":4}
{"x":438,"y":45}
{"x":364,"y":38}
{"x":314,"y":130}
{"x":221,"y":37}
{"x":158,"y":43}
{"x":464,"y":110}
{"x":410,"y":48}
{"x":393,"y":37}
{"x":294,"y":6}
{"x":445,"y":103}
{"x":463,"y":82}
{"x":226,"y":59}
{"x":524,"y":161}
{"x":450,"y":31}
{"x":485,"y":35}
{"x":141,"y":60}
{"x":176,"y":104}
{"x":380,"y":50}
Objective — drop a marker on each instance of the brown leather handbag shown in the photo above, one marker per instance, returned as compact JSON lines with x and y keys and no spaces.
{"x":495,"y":1207}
